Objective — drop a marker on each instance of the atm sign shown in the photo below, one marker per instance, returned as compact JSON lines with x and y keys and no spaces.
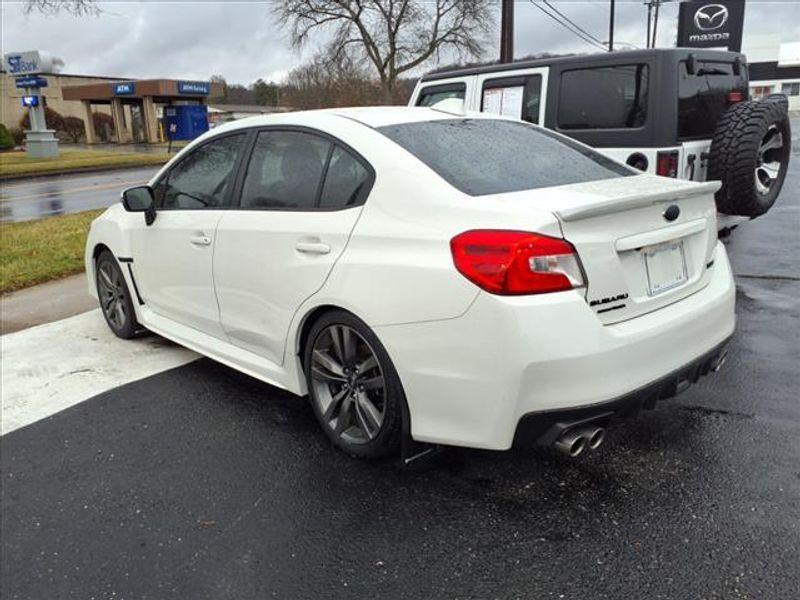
{"x":124,"y":89}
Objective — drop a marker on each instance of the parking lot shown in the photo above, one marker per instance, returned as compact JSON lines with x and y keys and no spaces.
{"x":200,"y":482}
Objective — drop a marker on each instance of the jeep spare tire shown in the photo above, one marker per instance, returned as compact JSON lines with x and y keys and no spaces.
{"x":749,"y":155}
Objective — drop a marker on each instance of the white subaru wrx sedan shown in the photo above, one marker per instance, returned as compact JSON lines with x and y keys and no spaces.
{"x":452,"y":279}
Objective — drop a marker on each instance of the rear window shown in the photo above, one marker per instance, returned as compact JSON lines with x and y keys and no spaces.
{"x":603,"y":97}
{"x":492,"y":156}
{"x":703,"y":97}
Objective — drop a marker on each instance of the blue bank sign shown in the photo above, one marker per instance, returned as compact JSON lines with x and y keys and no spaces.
{"x":124,"y":89}
{"x":27,"y":63}
{"x":195,"y":88}
{"x":31,"y":82}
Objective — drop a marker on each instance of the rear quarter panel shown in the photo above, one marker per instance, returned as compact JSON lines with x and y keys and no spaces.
{"x":397,"y":267}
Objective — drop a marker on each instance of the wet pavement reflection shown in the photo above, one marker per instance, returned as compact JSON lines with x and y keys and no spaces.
{"x":27,"y":199}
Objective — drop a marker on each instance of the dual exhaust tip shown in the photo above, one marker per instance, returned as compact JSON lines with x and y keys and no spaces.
{"x":574,"y":441}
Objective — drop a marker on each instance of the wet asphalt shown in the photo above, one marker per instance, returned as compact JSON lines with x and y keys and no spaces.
{"x":203,"y":483}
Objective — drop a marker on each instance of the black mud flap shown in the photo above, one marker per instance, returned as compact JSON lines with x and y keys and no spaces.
{"x":417,"y":455}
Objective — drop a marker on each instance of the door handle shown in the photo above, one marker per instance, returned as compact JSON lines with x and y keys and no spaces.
{"x":200,"y":240}
{"x":312,"y":247}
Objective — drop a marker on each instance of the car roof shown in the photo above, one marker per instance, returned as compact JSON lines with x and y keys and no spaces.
{"x":378,"y":116}
{"x":620,"y":56}
{"x":370,"y":116}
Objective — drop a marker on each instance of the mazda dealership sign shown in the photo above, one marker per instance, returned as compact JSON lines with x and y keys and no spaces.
{"x":711,"y":24}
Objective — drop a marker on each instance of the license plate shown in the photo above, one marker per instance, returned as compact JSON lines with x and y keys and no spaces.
{"x":666,"y":267}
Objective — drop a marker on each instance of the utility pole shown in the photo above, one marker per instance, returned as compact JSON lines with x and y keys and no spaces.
{"x":507,"y":31}
{"x":611,"y":28}
{"x":655,"y":24}
{"x":649,"y":18}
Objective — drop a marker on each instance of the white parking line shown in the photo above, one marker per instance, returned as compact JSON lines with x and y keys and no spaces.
{"x":51,"y":367}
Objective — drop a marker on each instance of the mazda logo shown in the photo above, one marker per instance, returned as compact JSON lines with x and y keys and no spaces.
{"x":710,"y":17}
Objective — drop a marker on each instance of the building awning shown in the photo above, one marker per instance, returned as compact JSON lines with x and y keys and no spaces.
{"x":168,"y":89}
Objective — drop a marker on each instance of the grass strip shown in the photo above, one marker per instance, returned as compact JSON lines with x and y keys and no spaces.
{"x":16,"y":164}
{"x":33,"y":252}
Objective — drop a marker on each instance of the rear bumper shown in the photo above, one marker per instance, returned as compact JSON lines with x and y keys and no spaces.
{"x":469,"y":381}
{"x":543,"y":428}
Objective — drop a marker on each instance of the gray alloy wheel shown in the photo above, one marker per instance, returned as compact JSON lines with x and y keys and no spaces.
{"x":115,"y":300}
{"x":768,"y":163}
{"x":111,"y":290}
{"x":348,"y":385}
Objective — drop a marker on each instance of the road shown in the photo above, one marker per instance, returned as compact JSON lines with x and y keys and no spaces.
{"x":200,"y":482}
{"x":25,"y":199}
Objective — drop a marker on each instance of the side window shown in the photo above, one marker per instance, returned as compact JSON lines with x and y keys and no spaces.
{"x":285,"y":170}
{"x":603,"y":97}
{"x":791,"y":89}
{"x":532,"y":99}
{"x":203,"y":178}
{"x":346,"y":182}
{"x":517,"y":97}
{"x":430,"y":95}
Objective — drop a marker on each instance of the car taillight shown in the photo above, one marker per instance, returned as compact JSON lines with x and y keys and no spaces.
{"x":511,"y":263}
{"x":735,"y":96}
{"x":667,"y":164}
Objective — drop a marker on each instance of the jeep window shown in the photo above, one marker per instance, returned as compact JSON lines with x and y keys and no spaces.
{"x":430,"y":95}
{"x":703,"y":97}
{"x":492,"y":156}
{"x":603,"y":97}
{"x":517,"y":97}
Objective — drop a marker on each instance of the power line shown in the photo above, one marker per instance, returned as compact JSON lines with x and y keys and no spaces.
{"x":573,"y":23}
{"x":652,"y":16}
{"x":585,"y":37}
{"x":567,"y":27}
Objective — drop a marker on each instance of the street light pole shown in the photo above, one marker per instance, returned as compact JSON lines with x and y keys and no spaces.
{"x":507,"y":31}
{"x":611,"y":28}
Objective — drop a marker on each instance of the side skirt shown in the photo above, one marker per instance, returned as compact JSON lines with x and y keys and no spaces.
{"x":221,"y":351}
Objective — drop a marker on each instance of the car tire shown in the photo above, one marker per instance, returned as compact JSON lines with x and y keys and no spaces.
{"x":750,"y":155}
{"x":115,"y":299}
{"x":353,"y":387}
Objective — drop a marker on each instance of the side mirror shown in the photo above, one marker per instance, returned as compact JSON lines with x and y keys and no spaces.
{"x":140,"y":199}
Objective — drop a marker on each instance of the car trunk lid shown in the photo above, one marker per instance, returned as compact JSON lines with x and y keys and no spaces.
{"x":644,"y":242}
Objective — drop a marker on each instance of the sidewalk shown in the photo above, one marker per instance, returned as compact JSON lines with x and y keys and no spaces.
{"x":45,"y":303}
{"x":66,"y":353}
{"x":49,"y":368}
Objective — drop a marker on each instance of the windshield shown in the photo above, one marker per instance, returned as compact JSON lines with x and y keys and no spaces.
{"x":703,"y":97}
{"x":492,"y":156}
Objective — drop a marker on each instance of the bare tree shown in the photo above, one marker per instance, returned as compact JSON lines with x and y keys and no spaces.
{"x":74,"y":7}
{"x":322,"y":84}
{"x":394,"y":36}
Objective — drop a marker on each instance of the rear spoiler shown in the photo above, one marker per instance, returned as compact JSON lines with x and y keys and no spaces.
{"x":614,"y":205}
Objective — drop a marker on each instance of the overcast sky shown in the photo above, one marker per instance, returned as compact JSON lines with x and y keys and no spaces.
{"x":239,"y":40}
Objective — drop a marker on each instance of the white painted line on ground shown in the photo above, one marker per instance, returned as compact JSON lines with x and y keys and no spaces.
{"x":51,"y":367}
